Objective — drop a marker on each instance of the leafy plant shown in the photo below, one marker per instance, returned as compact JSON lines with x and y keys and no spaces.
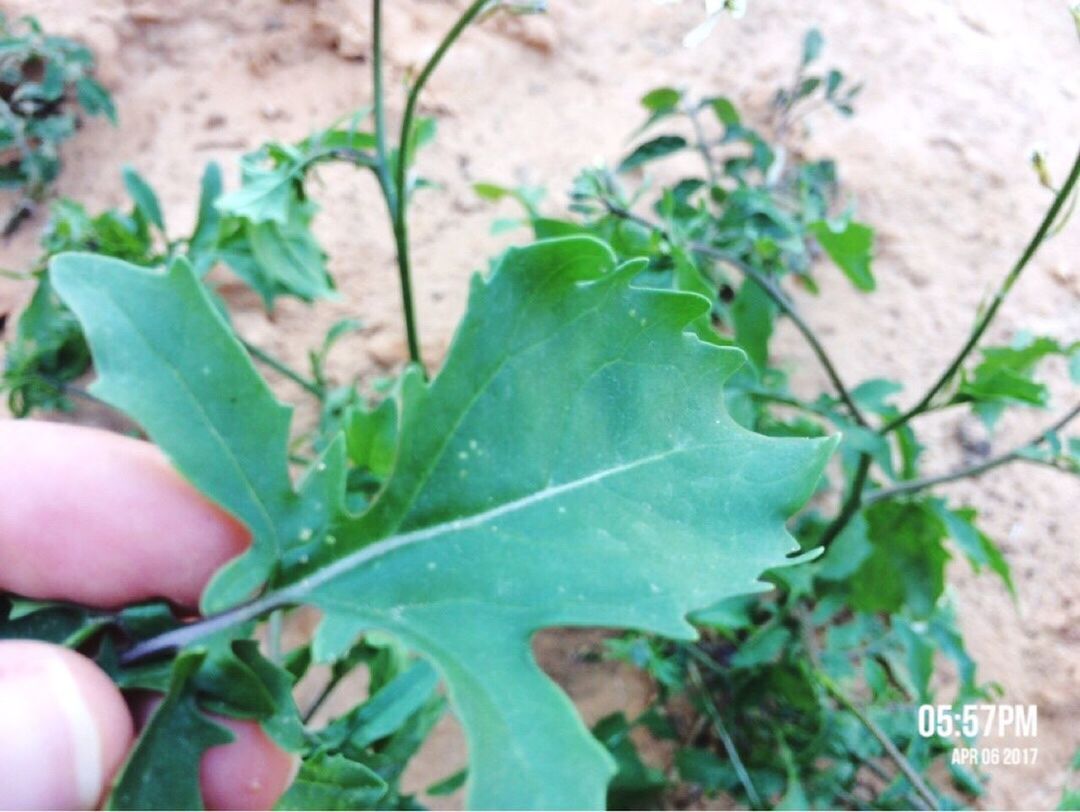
{"x":49,"y":352}
{"x":806,"y":697}
{"x":44,"y":81}
{"x":609,"y":442}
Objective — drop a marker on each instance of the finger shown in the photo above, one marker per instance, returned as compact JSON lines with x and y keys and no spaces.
{"x":103,"y":520}
{"x":250,"y":772}
{"x":64,"y":728}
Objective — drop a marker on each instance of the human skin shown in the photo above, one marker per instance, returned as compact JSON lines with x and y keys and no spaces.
{"x":103,"y":520}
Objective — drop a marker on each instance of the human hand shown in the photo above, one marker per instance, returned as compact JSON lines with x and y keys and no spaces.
{"x":103,"y":520}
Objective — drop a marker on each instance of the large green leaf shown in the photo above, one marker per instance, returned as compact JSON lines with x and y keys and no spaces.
{"x":165,"y":356}
{"x":572,"y":464}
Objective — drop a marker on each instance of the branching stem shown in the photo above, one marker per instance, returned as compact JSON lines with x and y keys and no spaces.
{"x":392,"y":169}
{"x":891,"y":750}
{"x":702,"y":143}
{"x":262,"y":356}
{"x":978,"y":469}
{"x":725,"y":738}
{"x":983,"y":322}
{"x":852,"y":502}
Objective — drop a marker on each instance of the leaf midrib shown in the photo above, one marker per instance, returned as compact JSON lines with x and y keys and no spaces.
{"x":298,"y":591}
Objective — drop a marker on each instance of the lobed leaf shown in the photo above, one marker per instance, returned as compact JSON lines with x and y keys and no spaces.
{"x":571,"y":465}
{"x":165,"y":356}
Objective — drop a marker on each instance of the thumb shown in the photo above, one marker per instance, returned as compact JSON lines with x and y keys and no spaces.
{"x":64,"y":728}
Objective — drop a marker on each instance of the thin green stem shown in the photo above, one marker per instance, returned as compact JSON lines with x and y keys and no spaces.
{"x":725,"y":738}
{"x":702,"y":144}
{"x":274,"y":631}
{"x":971,"y":471}
{"x":382,"y":153}
{"x":891,"y":750}
{"x":284,"y":369}
{"x":399,"y":205}
{"x":324,"y":694}
{"x":852,"y":502}
{"x":377,"y":80}
{"x":999,"y":297}
{"x":789,"y":309}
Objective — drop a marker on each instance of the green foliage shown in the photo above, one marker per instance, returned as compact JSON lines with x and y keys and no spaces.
{"x":44,"y":81}
{"x":790,"y":684}
{"x":489,"y":517}
{"x":46,"y":356}
{"x":49,"y":354}
{"x":162,"y":771}
{"x":1005,"y":376}
{"x":595,"y":451}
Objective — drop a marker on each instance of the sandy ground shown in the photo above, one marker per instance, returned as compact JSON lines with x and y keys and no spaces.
{"x":957,"y":93}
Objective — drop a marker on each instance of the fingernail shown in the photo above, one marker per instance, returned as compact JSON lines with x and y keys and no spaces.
{"x":50,"y":743}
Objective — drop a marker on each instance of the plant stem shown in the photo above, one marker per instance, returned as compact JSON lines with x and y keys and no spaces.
{"x":851,"y":504}
{"x":377,"y":80}
{"x":893,"y":752}
{"x":788,"y":307}
{"x":982,"y":323}
{"x":324,"y":694}
{"x":702,"y":144}
{"x":725,"y":738}
{"x":283,"y":369}
{"x":400,"y":203}
{"x":1017,"y":453}
{"x":274,"y":630}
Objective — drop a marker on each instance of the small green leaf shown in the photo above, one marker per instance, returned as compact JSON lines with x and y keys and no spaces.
{"x":371,"y":437}
{"x":847,"y":553}
{"x":905,"y":570}
{"x":56,"y":623}
{"x":162,"y":771}
{"x":662,"y":99}
{"x":762,"y":647}
{"x":635,"y":785}
{"x":851,"y":248}
{"x":725,"y":110}
{"x":385,"y":712}
{"x":333,"y":782}
{"x":754,"y":315}
{"x":94,"y":98}
{"x":659,"y":147}
{"x":490,"y":191}
{"x":266,"y":195}
{"x":1006,"y":375}
{"x":449,"y":785}
{"x":707,"y":770}
{"x":979,"y":549}
{"x":204,"y":239}
{"x":146,"y":202}
{"x":48,"y":351}
{"x":813,"y":43}
{"x":290,"y":258}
